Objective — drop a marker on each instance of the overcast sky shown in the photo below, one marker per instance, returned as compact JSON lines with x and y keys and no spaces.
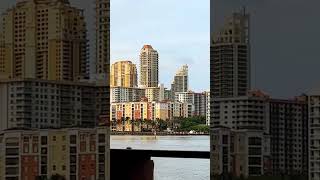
{"x":284,"y":43}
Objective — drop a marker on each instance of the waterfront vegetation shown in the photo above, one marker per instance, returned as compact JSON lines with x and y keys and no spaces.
{"x":196,"y":124}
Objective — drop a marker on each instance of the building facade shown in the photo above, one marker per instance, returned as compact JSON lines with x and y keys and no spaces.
{"x":180,"y":81}
{"x":51,"y":104}
{"x":199,"y":100}
{"x":149,"y":67}
{"x":247,"y":112}
{"x":289,"y":136}
{"x":314,"y":135}
{"x":44,"y":39}
{"x":127,"y":94}
{"x":75,"y":153}
{"x":230,"y":57}
{"x":242,"y":153}
{"x":155,"y":93}
{"x":145,"y":110}
{"x":102,"y":69}
{"x":124,"y":74}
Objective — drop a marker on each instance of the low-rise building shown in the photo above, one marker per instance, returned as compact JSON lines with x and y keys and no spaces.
{"x":75,"y":153}
{"x":145,"y":110}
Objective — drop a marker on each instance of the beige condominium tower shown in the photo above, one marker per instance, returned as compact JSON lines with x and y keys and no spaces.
{"x":149,"y":67}
{"x":102,"y":39}
{"x":44,"y":39}
{"x":124,"y":74}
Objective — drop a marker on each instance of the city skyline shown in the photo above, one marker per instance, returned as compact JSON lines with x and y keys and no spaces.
{"x":186,"y":42}
{"x":287,"y":50}
{"x":183,"y":38}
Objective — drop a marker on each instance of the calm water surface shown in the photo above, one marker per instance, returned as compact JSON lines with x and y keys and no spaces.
{"x":171,"y":168}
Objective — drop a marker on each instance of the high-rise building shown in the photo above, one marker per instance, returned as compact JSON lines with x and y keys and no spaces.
{"x":34,"y":103}
{"x":75,"y":153}
{"x":44,"y":39}
{"x":289,"y":136}
{"x":243,"y":112}
{"x":314,"y":135}
{"x":230,"y":57}
{"x":127,"y":94}
{"x":102,"y":39}
{"x":180,"y":80}
{"x":199,"y":100}
{"x":124,"y":74}
{"x":200,"y":104}
{"x":149,"y":67}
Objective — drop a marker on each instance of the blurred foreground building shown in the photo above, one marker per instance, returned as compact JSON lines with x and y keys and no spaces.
{"x":50,"y":104}
{"x":75,"y":153}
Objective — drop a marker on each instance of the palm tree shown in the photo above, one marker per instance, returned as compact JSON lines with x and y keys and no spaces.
{"x":123,"y":120}
{"x":127,"y":120}
{"x":139,"y":123}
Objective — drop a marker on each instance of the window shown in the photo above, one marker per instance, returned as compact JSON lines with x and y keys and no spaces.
{"x":44,"y":140}
{"x":102,"y":138}
{"x":225,"y":139}
{"x":73,"y":139}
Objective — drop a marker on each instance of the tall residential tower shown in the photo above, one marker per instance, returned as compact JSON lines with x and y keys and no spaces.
{"x":124,"y":74}
{"x":180,"y":81}
{"x":230,"y":57}
{"x":149,"y":67}
{"x":102,"y":39}
{"x":44,"y":39}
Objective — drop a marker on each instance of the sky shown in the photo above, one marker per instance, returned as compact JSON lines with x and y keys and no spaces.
{"x":178,"y":31}
{"x":284,"y":43}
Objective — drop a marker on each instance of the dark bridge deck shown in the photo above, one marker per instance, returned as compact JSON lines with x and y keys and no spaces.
{"x":136,"y":164}
{"x":163,"y":153}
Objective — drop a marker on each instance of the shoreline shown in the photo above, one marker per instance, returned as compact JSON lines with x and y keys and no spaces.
{"x":158,"y":134}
